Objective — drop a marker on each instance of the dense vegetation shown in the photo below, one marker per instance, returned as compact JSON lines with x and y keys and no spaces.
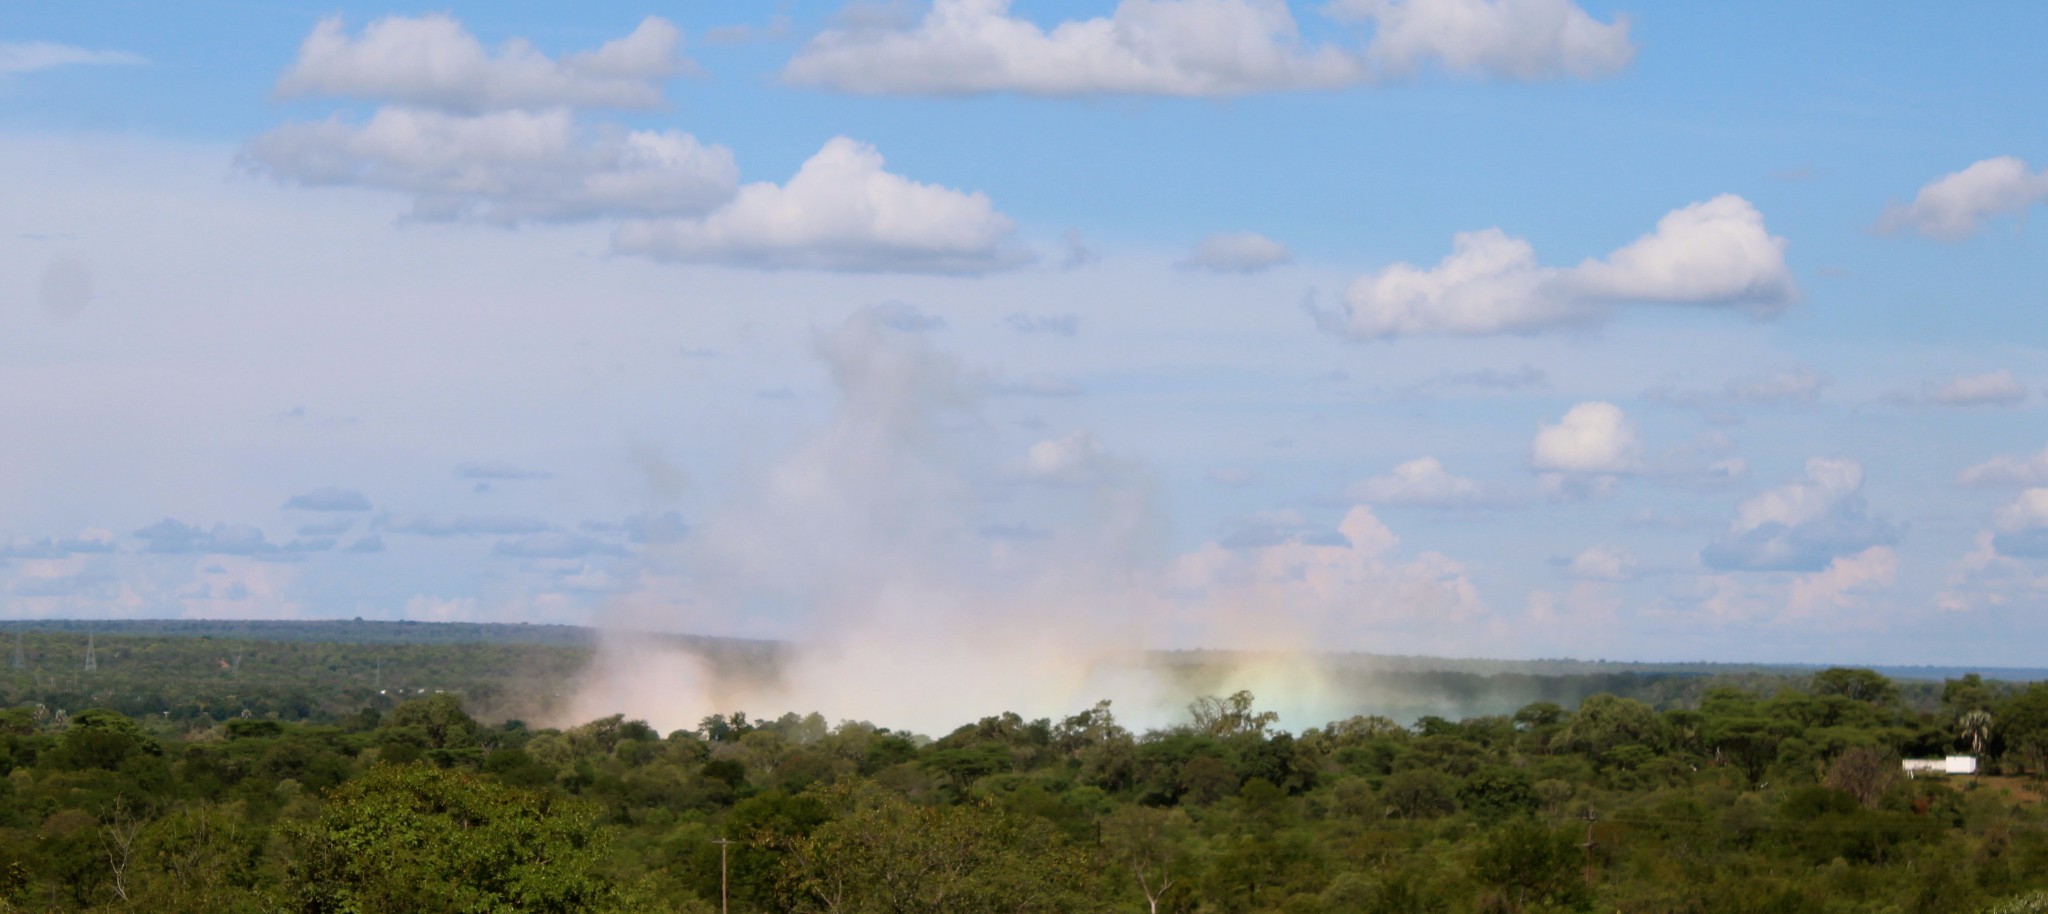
{"x":1719,"y":794}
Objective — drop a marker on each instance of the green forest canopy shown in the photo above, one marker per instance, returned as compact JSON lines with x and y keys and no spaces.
{"x":196,"y":772}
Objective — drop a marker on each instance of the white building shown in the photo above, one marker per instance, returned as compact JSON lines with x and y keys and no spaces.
{"x":1954,"y":764}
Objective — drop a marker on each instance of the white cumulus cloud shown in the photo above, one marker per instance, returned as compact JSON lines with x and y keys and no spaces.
{"x":1843,"y":583}
{"x":841,"y":211}
{"x":1489,"y":283}
{"x":2027,"y":512}
{"x":2002,"y":569}
{"x":434,"y":61}
{"x":1803,"y":525}
{"x":1984,"y":578}
{"x":2021,"y":528}
{"x":1146,"y":47}
{"x":1204,"y":48}
{"x":1075,"y":458}
{"x":1421,"y":482}
{"x":1827,"y":483}
{"x":1519,"y":39}
{"x":1716,"y":253}
{"x":473,"y":134}
{"x":1957,"y":205}
{"x":1603,"y":563}
{"x":1593,"y":438}
{"x":1325,"y":589}
{"x":1237,"y":252}
{"x":505,"y":166}
{"x":2008,"y":470}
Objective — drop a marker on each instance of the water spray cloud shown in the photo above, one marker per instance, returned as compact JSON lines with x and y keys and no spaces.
{"x":862,"y":549}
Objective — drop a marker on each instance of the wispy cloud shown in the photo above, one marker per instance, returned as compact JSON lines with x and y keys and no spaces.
{"x":1990,"y":388}
{"x":32,"y":56}
{"x":498,"y":470}
{"x":467,"y":526}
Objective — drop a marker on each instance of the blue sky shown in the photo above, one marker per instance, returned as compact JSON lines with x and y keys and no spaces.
{"x":1474,"y":327}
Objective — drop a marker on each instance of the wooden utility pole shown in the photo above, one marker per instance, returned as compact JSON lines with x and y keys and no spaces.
{"x":1592,"y":816}
{"x":724,"y":898}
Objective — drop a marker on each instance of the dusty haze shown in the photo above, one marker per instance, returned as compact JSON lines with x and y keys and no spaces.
{"x":928,"y":578}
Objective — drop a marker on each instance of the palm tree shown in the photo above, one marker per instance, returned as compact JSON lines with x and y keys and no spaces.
{"x":1975,"y":727}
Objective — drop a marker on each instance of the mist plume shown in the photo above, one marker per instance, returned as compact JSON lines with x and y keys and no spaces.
{"x":923,"y":576}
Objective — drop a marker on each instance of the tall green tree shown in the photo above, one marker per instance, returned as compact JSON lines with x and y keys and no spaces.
{"x":416,"y":838}
{"x":1151,"y":843}
{"x":882,"y":854}
{"x":1607,"y":722}
{"x":1856,"y":684}
{"x":1232,"y":716}
{"x":2023,"y":726}
{"x":1529,"y":867}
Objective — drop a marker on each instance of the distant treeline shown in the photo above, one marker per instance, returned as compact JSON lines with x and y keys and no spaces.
{"x":322,"y":671}
{"x":367,"y":631}
{"x":1573,"y":667}
{"x":349,"y":631}
{"x":580,"y":636}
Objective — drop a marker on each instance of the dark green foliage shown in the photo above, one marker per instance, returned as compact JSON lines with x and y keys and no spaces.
{"x":767,"y":827}
{"x":882,"y":854}
{"x":252,"y":729}
{"x":1420,"y":793}
{"x":1644,"y":791}
{"x":1498,"y":794}
{"x":726,"y":771}
{"x":885,"y":750}
{"x":99,"y":738}
{"x":1205,"y":779}
{"x":418,"y":838}
{"x":1527,"y":866}
{"x":1856,"y":685}
{"x":433,"y":723}
{"x":1605,"y":724}
{"x":517,"y":768}
{"x":2023,"y":727}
